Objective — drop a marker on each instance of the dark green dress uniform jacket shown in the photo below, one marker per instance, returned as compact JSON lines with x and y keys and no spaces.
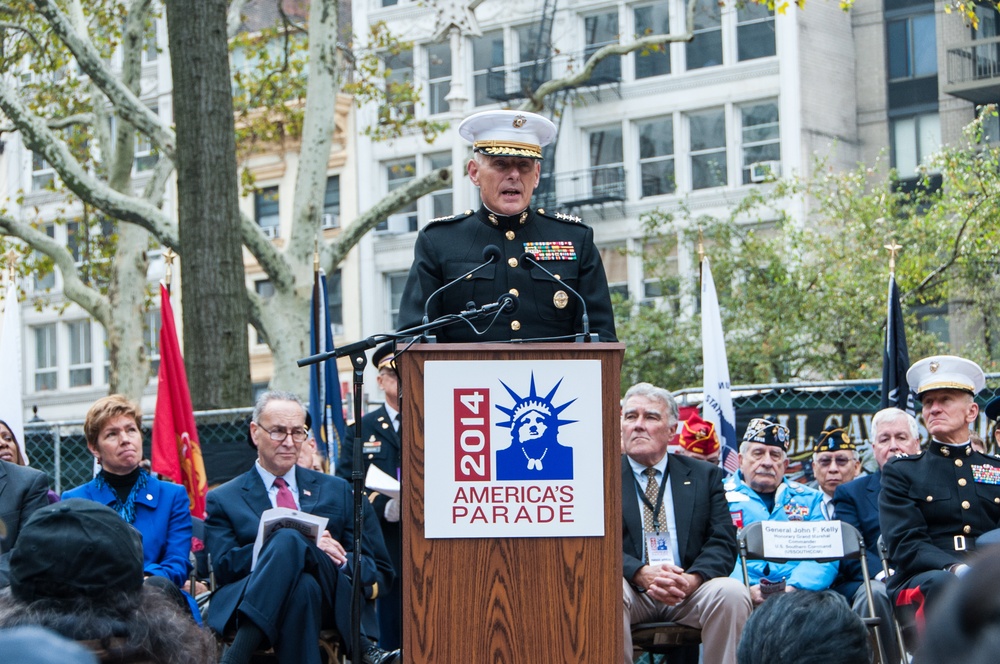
{"x":449,"y":247}
{"x":934,"y":505}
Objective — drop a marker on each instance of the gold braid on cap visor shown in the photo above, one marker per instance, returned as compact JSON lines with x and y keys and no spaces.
{"x":508,"y":149}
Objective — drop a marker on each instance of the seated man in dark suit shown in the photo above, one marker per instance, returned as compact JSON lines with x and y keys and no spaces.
{"x":678,"y":503}
{"x":298,"y":587}
{"x":893,"y":433}
{"x":22,"y":491}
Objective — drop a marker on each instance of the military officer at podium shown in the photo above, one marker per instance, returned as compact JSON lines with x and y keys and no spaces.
{"x":506,"y":167}
{"x":934,"y":506}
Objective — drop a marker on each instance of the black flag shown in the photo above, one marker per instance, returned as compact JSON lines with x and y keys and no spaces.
{"x":896,"y":391}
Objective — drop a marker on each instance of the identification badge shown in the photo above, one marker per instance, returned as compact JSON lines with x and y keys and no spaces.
{"x":737,"y":517}
{"x":372,"y":446}
{"x":658,"y":548}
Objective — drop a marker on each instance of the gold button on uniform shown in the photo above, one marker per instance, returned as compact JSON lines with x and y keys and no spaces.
{"x":996,"y":500}
{"x":965,"y":505}
{"x":514,"y":292}
{"x":515,"y":325}
{"x":557,"y":277}
{"x":961,"y":481}
{"x":967,"y":529}
{"x":509,"y":235}
{"x":930,"y":498}
{"x":958,"y":462}
{"x":512,"y":262}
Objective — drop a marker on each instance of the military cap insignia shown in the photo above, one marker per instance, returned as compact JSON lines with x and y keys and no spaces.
{"x":551,"y":251}
{"x":519,"y":121}
{"x":934,"y":366}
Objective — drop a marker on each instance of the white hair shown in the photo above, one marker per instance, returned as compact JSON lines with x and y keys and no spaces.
{"x":887,"y":415}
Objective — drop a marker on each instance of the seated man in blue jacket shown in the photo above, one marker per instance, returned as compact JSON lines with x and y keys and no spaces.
{"x":760,"y":492}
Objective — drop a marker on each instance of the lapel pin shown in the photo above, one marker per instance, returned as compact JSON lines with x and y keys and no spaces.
{"x":307,"y":492}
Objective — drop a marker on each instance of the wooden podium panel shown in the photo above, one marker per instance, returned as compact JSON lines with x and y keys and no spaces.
{"x":553,"y":600}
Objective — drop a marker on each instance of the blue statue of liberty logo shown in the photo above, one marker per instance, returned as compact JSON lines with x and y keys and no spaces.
{"x":535,"y":452}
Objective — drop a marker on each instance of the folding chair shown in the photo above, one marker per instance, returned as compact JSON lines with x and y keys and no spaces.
{"x":883,"y":555}
{"x":752,"y":547}
{"x":673,"y":642}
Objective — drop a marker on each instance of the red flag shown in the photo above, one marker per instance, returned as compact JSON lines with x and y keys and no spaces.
{"x":176,"y":451}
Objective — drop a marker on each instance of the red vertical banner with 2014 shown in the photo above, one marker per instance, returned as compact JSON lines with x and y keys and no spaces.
{"x":472,"y":435}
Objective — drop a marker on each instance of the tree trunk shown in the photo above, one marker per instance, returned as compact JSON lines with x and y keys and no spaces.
{"x":213,"y":289}
{"x":286,"y":323}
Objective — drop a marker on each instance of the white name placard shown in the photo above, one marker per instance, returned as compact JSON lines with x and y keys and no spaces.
{"x":802,"y":539}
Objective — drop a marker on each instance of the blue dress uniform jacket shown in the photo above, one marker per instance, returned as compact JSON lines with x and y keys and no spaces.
{"x":934,"y":505}
{"x":450,"y":247}
{"x":163,"y":516}
{"x":792,"y":502}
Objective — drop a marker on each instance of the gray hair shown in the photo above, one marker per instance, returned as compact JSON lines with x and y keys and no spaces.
{"x":274,"y":395}
{"x":887,"y":415}
{"x":654,"y":393}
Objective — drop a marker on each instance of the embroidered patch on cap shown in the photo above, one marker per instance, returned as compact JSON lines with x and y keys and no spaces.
{"x":551,"y":251}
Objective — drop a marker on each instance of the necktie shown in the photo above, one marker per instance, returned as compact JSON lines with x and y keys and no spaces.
{"x":652,"y":489}
{"x":398,"y":421}
{"x":285,"y":497}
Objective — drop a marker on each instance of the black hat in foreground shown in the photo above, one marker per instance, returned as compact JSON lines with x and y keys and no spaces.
{"x":75,"y":548}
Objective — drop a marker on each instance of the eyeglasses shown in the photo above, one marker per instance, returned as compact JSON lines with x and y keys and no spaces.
{"x":278,"y":434}
{"x":841,"y":461}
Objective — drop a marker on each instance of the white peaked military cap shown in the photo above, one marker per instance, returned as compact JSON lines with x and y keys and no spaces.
{"x":508,"y":133}
{"x":940,"y":372}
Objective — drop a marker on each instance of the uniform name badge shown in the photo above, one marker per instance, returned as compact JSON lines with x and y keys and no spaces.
{"x":372,"y":446}
{"x":658,"y":548}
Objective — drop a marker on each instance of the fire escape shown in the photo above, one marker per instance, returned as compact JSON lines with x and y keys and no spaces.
{"x":595,"y":187}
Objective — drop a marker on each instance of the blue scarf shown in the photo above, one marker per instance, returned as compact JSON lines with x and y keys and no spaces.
{"x":125,"y":508}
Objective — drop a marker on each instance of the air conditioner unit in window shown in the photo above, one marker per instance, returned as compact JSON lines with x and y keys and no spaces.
{"x":329,"y":220}
{"x":761,"y":171}
{"x":270,"y":231}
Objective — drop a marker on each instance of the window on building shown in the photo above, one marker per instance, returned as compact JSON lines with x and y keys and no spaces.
{"x":487,"y":55}
{"x":438,"y":77}
{"x":912,"y":44}
{"x":661,"y":280}
{"x":607,"y":173}
{"x":45,"y":357}
{"x":652,"y":20}
{"x":708,"y":149}
{"x":48,"y":279}
{"x":265,"y":203}
{"x":76,"y":241}
{"x":533,"y":52}
{"x":331,"y":203}
{"x":398,"y":75}
{"x":335,"y":301}
{"x":754,"y":31}
{"x":43,"y":176}
{"x":601,"y":30}
{"x":265,"y":289}
{"x":441,"y":200}
{"x":145,"y":156}
{"x":394,"y":282}
{"x":991,"y":125}
{"x":150,"y":50}
{"x":705,"y":50}
{"x":914,"y":140}
{"x":616,"y":268}
{"x":399,"y":174}
{"x":761,"y":142}
{"x":80,"y":370}
{"x":152,"y":322}
{"x":656,"y":157}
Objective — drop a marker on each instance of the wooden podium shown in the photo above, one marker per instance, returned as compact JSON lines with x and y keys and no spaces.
{"x":510,"y":600}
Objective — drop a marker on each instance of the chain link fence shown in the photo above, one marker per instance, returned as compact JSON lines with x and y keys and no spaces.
{"x":60,"y":449}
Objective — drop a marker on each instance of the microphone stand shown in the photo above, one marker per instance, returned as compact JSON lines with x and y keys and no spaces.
{"x":356,"y":351}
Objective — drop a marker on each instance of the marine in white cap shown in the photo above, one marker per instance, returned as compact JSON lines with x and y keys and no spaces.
{"x":933,"y":506}
{"x":506,"y":167}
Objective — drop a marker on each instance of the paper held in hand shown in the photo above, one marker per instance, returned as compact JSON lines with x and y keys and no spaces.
{"x":310,"y":525}
{"x":378,"y":480}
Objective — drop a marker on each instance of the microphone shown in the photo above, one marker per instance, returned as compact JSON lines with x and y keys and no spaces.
{"x":527,"y":261}
{"x":491,"y":255}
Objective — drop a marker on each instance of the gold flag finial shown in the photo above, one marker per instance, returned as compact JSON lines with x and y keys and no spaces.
{"x":168,"y":257}
{"x":11,"y":260}
{"x":701,"y":246}
{"x":316,"y":256}
{"x":893,"y":250}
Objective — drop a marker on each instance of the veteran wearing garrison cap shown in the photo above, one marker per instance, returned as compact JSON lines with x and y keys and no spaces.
{"x":699,"y":440}
{"x":835,"y":461}
{"x":759,"y":491}
{"x":506,"y":167}
{"x":381,"y":440}
{"x":934,"y":505}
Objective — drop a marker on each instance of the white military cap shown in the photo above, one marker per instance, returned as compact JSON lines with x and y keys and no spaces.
{"x":508,"y":133}
{"x":940,"y":372}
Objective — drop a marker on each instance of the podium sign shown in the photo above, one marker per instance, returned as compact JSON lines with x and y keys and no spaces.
{"x":513,"y":448}
{"x":511,"y":503}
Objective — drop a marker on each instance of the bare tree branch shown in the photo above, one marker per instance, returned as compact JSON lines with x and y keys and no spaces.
{"x":335,"y":252}
{"x":38,"y":138}
{"x":56,"y":124}
{"x":126,"y":103}
{"x":90,"y":299}
{"x":235,"y":17}
{"x":269,"y":258}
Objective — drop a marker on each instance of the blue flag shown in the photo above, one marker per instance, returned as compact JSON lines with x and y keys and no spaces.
{"x":896,"y":392}
{"x":326,"y":409}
